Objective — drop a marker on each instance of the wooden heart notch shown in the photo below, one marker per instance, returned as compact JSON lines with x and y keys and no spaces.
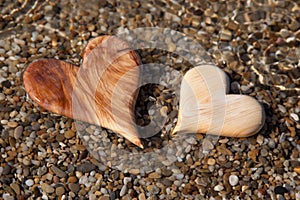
{"x":205,"y":106}
{"x":88,"y":93}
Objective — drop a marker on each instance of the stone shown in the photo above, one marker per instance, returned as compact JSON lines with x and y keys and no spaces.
{"x":74,"y":187}
{"x":29,"y":182}
{"x":218,"y":188}
{"x":72,"y":179}
{"x":18,"y":132}
{"x":154,"y":175}
{"x":15,"y":186}
{"x":233,"y":180}
{"x":123,"y":190}
{"x":280,"y":190}
{"x":2,"y":96}
{"x":60,"y":173}
{"x":207,"y":145}
{"x":47,"y":188}
{"x":59,"y":191}
{"x":69,"y":134}
{"x":142,"y":196}
{"x":12,"y":124}
{"x":211,"y":161}
{"x":86,"y":167}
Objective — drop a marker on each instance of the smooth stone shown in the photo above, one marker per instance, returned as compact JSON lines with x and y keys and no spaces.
{"x":60,"y":173}
{"x":233,"y":180}
{"x":47,"y":188}
{"x":18,"y":132}
{"x":154,"y":175}
{"x":86,"y":167}
{"x":218,"y":188}
{"x":123,"y":190}
{"x":211,"y":161}
{"x":207,"y":145}
{"x":2,"y":96}
{"x":69,"y":134}
{"x":59,"y":191}
{"x":29,"y":182}
{"x":74,"y":187}
{"x":12,"y":124}
{"x":15,"y":187}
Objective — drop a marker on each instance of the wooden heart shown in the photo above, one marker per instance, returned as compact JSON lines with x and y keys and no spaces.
{"x":88,"y":93}
{"x":205,"y":106}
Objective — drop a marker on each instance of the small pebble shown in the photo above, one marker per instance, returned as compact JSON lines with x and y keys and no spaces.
{"x":233,"y":180}
{"x":29,"y":182}
{"x":218,"y":188}
{"x":2,"y":96}
{"x":12,"y":124}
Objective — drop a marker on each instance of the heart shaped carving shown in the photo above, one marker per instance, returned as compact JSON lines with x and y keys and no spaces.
{"x":88,"y":93}
{"x":205,"y":106}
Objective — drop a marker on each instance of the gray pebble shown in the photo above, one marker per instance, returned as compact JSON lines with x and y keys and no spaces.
{"x":60,"y":173}
{"x":123,"y":190}
{"x":18,"y":132}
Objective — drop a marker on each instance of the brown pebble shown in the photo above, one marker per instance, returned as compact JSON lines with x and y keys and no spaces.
{"x":154,"y":175}
{"x":12,"y":124}
{"x":47,"y":188}
{"x":15,"y":186}
{"x":69,"y":134}
{"x":60,"y":191}
{"x":211,"y":161}
{"x":74,"y":187}
{"x":297,"y":169}
{"x":72,"y":179}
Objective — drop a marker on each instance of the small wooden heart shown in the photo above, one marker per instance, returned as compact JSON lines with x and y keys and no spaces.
{"x":205,"y":106}
{"x":88,"y":93}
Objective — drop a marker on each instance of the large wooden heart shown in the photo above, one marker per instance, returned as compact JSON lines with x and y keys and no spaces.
{"x":88,"y":93}
{"x":205,"y":106}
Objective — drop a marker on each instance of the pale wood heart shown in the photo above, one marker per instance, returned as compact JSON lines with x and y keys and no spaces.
{"x":86,"y":93}
{"x":205,"y":106}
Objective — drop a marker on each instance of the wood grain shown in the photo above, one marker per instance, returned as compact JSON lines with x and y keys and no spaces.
{"x":100,"y":92}
{"x":205,"y":106}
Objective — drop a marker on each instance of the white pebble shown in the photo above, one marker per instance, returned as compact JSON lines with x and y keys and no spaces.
{"x":233,"y":180}
{"x":29,"y":182}
{"x":295,"y":117}
{"x":123,"y":190}
{"x":218,"y":188}
{"x":127,"y":180}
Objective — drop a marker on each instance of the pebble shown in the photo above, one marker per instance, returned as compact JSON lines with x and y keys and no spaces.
{"x":154,"y":175}
{"x":60,"y":173}
{"x":2,"y":96}
{"x":12,"y":124}
{"x":295,"y":117}
{"x":18,"y":132}
{"x":29,"y":182}
{"x":86,"y":167}
{"x":69,"y":134}
{"x":123,"y":190}
{"x":16,"y":188}
{"x":74,"y":187}
{"x":59,"y":191}
{"x":211,"y":161}
{"x":207,"y":145}
{"x":218,"y":188}
{"x":233,"y":180}
{"x":47,"y":188}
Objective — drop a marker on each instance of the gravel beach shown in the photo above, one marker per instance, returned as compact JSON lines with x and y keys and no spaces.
{"x":256,"y":42}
